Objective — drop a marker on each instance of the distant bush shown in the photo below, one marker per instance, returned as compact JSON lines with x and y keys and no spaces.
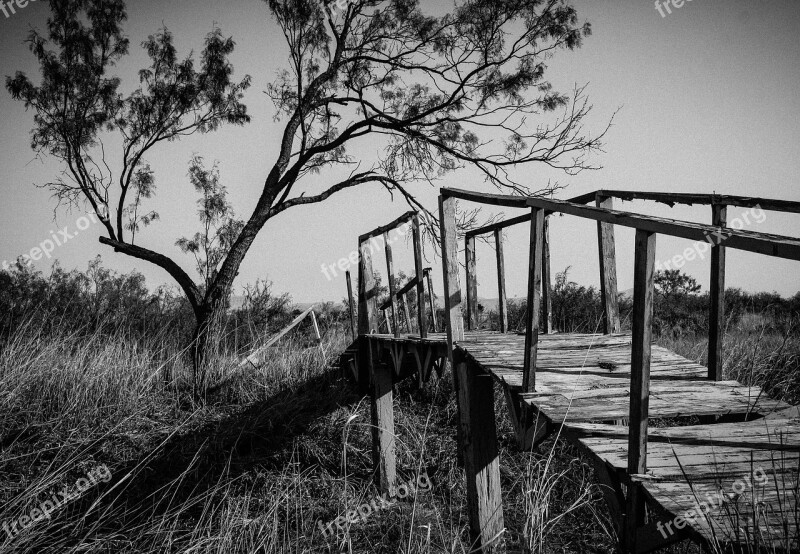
{"x":101,"y":301}
{"x":679,"y":309}
{"x":97,"y":300}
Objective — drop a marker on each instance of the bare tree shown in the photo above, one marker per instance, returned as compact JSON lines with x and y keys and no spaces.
{"x":437,"y":93}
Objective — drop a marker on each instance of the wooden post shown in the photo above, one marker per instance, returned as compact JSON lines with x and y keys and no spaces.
{"x":454,"y":321}
{"x":390,"y":277}
{"x":644,"y":261}
{"x":716,"y":319}
{"x":547,"y":287}
{"x":383,"y":441}
{"x":430,"y":299}
{"x":452,"y":288}
{"x":640,"y":349}
{"x":350,"y":305}
{"x":532,"y":313}
{"x":608,"y":269}
{"x":422,"y":321}
{"x":367,"y":292}
{"x":407,"y":313}
{"x":367,"y":309}
{"x":472,"y":284}
{"x":502,"y":302}
{"x":481,"y":458}
{"x":388,"y":322}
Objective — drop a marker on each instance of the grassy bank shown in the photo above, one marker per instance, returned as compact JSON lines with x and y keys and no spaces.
{"x":273,"y":452}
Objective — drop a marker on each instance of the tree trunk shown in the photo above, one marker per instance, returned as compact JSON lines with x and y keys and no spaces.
{"x":205,"y":341}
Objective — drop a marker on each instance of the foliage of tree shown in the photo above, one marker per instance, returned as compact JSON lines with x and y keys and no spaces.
{"x":672,"y":282}
{"x":219,"y":227}
{"x":434,"y":94}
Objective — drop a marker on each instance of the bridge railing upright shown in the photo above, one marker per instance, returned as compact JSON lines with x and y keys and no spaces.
{"x":647,"y":228}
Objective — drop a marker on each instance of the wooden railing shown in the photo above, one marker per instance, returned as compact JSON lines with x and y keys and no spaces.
{"x":502,"y":300}
{"x":647,"y":228}
{"x":719,"y":206}
{"x":367,"y":288}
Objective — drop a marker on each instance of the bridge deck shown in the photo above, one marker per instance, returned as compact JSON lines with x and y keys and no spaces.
{"x":744,"y":467}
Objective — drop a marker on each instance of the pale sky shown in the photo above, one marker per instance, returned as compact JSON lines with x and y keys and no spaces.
{"x":708,"y":100}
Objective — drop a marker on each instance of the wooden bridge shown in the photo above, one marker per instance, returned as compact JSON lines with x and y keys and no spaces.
{"x":725,"y":474}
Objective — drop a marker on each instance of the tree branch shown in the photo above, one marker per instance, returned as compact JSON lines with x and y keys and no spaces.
{"x":181,"y":277}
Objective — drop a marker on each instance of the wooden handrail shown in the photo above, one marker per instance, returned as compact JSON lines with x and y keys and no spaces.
{"x":400,"y":292}
{"x":500,"y":225}
{"x":406,"y":217}
{"x":751,"y":241}
{"x":672,"y":198}
{"x":647,"y":229}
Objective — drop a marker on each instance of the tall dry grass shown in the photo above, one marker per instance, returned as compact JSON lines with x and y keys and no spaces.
{"x":273,"y":449}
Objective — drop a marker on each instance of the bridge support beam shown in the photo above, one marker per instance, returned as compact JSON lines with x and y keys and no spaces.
{"x":481,"y":457}
{"x":716,"y":320}
{"x":383,"y":438}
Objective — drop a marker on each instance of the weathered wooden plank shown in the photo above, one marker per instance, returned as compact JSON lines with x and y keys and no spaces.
{"x":472,"y":284}
{"x":481,"y":458}
{"x":716,"y":319}
{"x":367,"y":307}
{"x":407,"y":313}
{"x":391,"y":284}
{"x":608,"y":269}
{"x":422,"y":322}
{"x":350,"y":306}
{"x":406,"y":217}
{"x":547,"y":286}
{"x":761,"y":243}
{"x":672,"y":198}
{"x":644,"y":261}
{"x":452,"y":288}
{"x":434,"y":323}
{"x":367,"y":293}
{"x":532,"y":313}
{"x":412,"y":282}
{"x":498,"y":226}
{"x":383,"y":437}
{"x":502,"y":300}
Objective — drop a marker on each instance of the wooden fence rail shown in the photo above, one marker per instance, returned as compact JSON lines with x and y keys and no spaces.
{"x":483,"y":502}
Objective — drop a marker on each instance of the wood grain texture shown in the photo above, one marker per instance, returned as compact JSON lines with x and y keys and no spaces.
{"x":481,"y":458}
{"x":472,"y":284}
{"x":532,"y":312}
{"x":502,"y":300}
{"x":716,"y":318}
{"x":387,"y":246}
{"x":452,"y":287}
{"x":642,"y":337}
{"x":431,"y":303}
{"x":383,"y":436}
{"x":762,"y":243}
{"x":608,"y":269}
{"x":350,"y":307}
{"x":547,"y":285}
{"x":422,"y":321}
